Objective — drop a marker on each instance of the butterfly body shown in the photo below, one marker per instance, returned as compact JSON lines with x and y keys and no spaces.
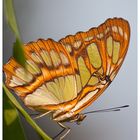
{"x":67,"y":76}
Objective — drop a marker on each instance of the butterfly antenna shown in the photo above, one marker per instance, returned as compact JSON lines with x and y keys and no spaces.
{"x":108,"y":110}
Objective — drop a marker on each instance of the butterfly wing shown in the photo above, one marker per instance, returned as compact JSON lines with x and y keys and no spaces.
{"x":102,"y":48}
{"x":99,"y":58}
{"x":48,"y":75}
{"x":62,"y":74}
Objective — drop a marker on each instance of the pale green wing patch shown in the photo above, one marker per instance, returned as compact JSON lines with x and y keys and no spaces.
{"x":59,"y":90}
{"x":70,"y":89}
{"x":53,"y":87}
{"x":116,"y":48}
{"x":113,"y":48}
{"x":84,"y":72}
{"x":93,"y":81}
{"x":78,"y":83}
{"x":42,"y":96}
{"x":109,"y":44}
{"x":23,"y":74}
{"x":36,"y":58}
{"x":94,"y":55}
{"x":32,"y":67}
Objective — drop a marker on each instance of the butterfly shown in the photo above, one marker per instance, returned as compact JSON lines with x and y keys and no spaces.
{"x":65,"y":77}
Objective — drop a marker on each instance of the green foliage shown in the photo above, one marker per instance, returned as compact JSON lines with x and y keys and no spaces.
{"x":12,"y":127}
{"x":10,"y":16}
{"x":25,"y":114}
{"x":11,"y":121}
{"x":18,"y":52}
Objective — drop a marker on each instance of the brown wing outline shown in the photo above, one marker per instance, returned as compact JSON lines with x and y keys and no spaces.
{"x":47,"y":59}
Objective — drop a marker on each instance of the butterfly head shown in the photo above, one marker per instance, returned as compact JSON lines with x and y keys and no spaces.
{"x":81,"y":117}
{"x":78,"y":118}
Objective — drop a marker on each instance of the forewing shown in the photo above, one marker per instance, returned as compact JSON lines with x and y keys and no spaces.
{"x":99,"y":54}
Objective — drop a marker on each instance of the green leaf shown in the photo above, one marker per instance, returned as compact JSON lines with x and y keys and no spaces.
{"x":25,"y":114}
{"x":10,"y":16}
{"x":18,"y":53}
{"x":11,"y":121}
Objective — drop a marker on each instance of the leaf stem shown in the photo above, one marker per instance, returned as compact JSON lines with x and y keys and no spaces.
{"x":25,"y":114}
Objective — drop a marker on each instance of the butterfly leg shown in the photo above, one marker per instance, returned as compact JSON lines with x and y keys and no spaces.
{"x":64,"y":128}
{"x":68,"y":130}
{"x":41,"y":115}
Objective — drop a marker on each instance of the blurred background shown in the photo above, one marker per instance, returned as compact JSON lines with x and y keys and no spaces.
{"x":56,"y":19}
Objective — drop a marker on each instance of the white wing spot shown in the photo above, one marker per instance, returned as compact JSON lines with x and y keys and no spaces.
{"x":114,"y":29}
{"x":108,"y":68}
{"x":64,"y":59}
{"x":77,"y":44}
{"x":107,"y":30}
{"x":84,"y":100}
{"x":55,"y":58}
{"x":120,"y":31}
{"x":125,"y":36}
{"x":100,"y":35}
{"x":89,"y":38}
{"x":23,"y":74}
{"x":16,"y":82}
{"x":46,"y":57}
{"x":32,"y":67}
{"x":68,"y":47}
{"x":36,"y":58}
